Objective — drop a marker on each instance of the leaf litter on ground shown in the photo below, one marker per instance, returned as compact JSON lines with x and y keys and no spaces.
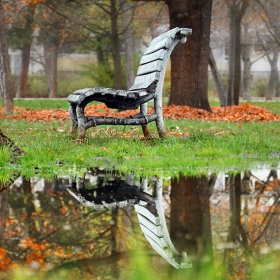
{"x":240,"y":113}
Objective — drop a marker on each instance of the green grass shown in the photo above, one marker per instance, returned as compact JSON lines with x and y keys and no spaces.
{"x":40,"y":104}
{"x":209,"y":146}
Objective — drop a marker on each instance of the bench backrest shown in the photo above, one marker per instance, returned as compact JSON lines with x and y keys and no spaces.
{"x":155,"y":59}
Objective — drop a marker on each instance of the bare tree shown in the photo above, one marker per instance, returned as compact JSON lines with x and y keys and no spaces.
{"x":5,"y":71}
{"x":236,"y":10}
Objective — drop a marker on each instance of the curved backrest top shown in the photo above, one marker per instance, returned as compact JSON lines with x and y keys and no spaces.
{"x":154,"y":60}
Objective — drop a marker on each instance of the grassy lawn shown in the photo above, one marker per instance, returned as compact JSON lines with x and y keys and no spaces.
{"x":191,"y":146}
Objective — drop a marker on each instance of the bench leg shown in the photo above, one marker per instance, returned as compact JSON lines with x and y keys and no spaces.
{"x":159,"y":120}
{"x":145,"y":127}
{"x":73,"y":119}
{"x":146,"y":131}
{"x":81,"y":122}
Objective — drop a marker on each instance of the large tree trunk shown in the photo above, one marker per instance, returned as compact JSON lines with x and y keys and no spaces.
{"x":116,"y":46}
{"x":5,"y":71}
{"x":25,"y":54}
{"x":189,"y":62}
{"x":128,"y":43}
{"x":217,"y":79}
{"x":53,"y":73}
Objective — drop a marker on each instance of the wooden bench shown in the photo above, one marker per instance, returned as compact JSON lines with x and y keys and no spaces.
{"x":147,"y":86}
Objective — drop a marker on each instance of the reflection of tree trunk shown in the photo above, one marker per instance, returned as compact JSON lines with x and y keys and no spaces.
{"x":236,"y":230}
{"x":3,"y":215}
{"x":114,"y":232}
{"x":190,"y":223}
{"x":29,"y":208}
{"x":217,"y":79}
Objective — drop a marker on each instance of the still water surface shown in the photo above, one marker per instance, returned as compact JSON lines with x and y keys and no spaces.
{"x":102,"y":225}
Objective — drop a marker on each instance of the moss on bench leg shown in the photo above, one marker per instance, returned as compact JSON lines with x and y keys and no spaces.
{"x":81,"y":133}
{"x":146,"y":131}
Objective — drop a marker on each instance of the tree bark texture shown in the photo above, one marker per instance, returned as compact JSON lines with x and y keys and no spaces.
{"x":25,"y":54}
{"x":231,"y":57}
{"x":245,"y":50}
{"x":236,"y":13}
{"x":237,"y":65}
{"x":5,"y":71}
{"x":53,"y":73}
{"x":274,"y":76}
{"x":128,"y":44}
{"x":190,"y":222}
{"x":189,"y":62}
{"x":116,"y":46}
{"x":217,"y":79}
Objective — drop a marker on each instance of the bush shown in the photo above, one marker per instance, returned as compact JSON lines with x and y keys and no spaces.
{"x":260,"y":88}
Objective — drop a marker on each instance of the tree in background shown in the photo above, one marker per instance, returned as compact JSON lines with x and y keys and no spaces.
{"x":236,"y":10}
{"x":5,"y":72}
{"x":20,"y":36}
{"x":269,"y":39}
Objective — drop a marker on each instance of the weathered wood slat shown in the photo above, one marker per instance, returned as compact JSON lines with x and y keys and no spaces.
{"x":151,"y":236}
{"x":166,"y":254}
{"x":150,"y":67}
{"x":157,"y":230}
{"x":153,"y":56}
{"x":171,"y":33}
{"x":146,"y":213}
{"x":146,"y":79}
{"x":163,"y":44}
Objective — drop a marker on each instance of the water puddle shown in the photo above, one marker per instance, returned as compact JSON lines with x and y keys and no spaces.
{"x":106,"y":225}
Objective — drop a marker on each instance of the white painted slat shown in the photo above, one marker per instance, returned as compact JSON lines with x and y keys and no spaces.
{"x":166,"y":254}
{"x":150,"y":67}
{"x":159,"y":240}
{"x":171,"y":33}
{"x":146,"y":213}
{"x":145,"y":79}
{"x":163,"y":44}
{"x":148,"y":226}
{"x":146,"y":222}
{"x":153,"y":56}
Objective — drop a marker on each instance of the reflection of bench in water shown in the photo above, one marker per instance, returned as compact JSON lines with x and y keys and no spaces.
{"x":147,"y":86}
{"x":149,"y":209}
